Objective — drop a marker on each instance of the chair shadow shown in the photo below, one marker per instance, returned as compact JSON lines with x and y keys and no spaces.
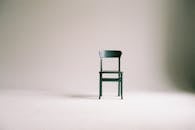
{"x":88,"y":96}
{"x":82,"y":96}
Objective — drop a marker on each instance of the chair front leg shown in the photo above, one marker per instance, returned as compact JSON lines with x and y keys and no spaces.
{"x":100,"y":85}
{"x":121,"y":85}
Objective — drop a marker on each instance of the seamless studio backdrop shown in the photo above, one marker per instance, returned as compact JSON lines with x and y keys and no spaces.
{"x":53,"y":45}
{"x":49,"y":64}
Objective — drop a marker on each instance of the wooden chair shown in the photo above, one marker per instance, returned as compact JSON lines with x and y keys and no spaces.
{"x":111,"y":54}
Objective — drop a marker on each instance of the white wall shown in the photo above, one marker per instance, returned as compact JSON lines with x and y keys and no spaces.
{"x":53,"y":45}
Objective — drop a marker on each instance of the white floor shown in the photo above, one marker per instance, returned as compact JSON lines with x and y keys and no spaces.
{"x":33,"y":110}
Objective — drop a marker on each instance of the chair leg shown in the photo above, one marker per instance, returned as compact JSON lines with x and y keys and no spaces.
{"x":121,"y":86}
{"x":100,"y":87}
{"x":100,"y":91}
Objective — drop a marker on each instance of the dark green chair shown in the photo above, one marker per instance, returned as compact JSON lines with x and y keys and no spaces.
{"x":111,"y":54}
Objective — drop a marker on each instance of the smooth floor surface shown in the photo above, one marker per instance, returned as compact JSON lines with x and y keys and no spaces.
{"x":36,"y":110}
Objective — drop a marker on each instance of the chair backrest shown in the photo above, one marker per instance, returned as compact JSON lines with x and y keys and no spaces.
{"x":110,"y":54}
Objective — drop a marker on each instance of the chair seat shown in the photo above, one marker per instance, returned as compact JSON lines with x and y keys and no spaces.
{"x":111,"y":79}
{"x":110,"y":72}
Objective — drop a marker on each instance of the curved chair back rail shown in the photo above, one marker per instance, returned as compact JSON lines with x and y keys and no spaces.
{"x":110,"y":53}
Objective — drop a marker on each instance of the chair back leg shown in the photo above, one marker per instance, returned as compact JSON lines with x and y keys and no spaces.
{"x":119,"y":85}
